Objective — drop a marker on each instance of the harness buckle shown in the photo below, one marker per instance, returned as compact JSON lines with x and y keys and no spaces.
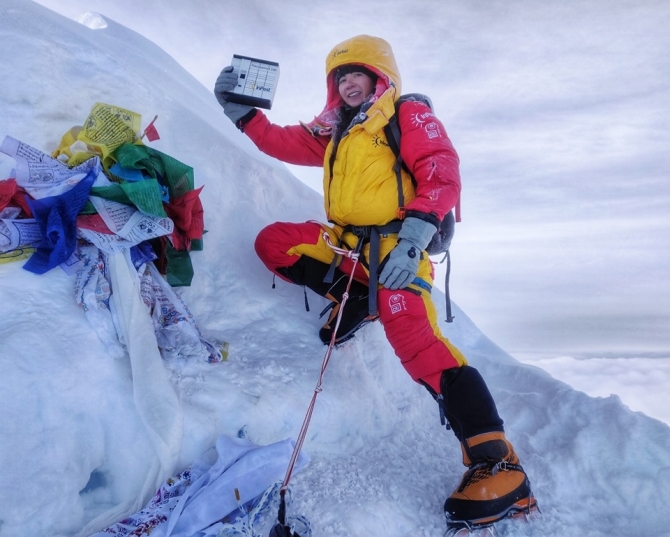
{"x":360,"y":231}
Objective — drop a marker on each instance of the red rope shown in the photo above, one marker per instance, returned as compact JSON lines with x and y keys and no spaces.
{"x":308,"y":417}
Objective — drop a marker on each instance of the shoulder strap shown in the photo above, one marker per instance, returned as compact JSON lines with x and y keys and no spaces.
{"x":393,"y":137}
{"x":392,"y":132}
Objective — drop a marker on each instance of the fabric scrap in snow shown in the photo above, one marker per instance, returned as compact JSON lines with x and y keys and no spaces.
{"x":57,"y":217}
{"x":194,"y":502}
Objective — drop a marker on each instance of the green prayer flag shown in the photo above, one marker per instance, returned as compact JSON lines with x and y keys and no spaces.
{"x":145,"y":195}
{"x":179,"y":267}
{"x":178,"y":177}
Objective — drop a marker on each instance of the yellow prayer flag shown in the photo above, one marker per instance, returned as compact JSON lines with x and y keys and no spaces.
{"x":108,"y":127}
{"x":66,"y":142}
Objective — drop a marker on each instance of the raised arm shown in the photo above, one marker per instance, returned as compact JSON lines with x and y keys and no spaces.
{"x":293,"y":144}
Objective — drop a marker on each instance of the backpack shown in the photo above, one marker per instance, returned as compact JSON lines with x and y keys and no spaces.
{"x":441,"y":240}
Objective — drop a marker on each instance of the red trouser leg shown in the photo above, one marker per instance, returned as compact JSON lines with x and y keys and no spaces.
{"x":275,"y":243}
{"x":281,"y":244}
{"x":410,"y":323}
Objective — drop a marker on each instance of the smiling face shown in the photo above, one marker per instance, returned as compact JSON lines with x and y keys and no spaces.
{"x":355,"y":87}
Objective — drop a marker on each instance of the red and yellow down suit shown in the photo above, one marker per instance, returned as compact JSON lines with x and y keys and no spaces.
{"x":360,"y":188}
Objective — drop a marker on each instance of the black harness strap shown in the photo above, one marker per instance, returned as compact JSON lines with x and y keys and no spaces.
{"x":330,"y":275}
{"x":374,"y":265}
{"x":371,"y":234}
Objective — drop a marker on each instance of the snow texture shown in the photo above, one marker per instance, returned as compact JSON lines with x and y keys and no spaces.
{"x":73,"y":448}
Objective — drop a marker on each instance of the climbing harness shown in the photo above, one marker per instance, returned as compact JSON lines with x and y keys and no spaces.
{"x":365,"y":234}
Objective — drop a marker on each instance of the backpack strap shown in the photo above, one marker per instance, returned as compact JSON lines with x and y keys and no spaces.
{"x":392,"y":132}
{"x":393,"y":136}
{"x":447,"y":298}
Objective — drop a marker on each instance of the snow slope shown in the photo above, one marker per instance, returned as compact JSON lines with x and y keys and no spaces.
{"x":74,"y":447}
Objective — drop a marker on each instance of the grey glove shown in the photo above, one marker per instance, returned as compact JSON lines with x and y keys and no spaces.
{"x":226,"y":82}
{"x":401,"y":265}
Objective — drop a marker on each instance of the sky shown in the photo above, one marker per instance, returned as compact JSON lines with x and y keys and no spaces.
{"x":559,"y":112}
{"x":91,"y":428}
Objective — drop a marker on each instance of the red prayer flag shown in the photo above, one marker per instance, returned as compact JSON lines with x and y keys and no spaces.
{"x":93,"y":222}
{"x":14,"y":196}
{"x":7,"y":191}
{"x":151,"y":133}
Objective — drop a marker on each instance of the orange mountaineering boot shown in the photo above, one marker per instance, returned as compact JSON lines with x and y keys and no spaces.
{"x":495,"y":485}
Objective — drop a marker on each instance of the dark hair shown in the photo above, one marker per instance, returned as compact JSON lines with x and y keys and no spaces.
{"x":353,"y":68}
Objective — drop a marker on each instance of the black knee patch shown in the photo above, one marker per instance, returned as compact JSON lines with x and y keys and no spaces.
{"x":469,"y":407}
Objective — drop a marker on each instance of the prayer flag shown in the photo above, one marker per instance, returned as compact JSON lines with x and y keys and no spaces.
{"x":150,"y":132}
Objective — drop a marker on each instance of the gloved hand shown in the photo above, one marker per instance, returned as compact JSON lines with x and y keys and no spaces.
{"x":399,"y":268}
{"x":226,"y":82}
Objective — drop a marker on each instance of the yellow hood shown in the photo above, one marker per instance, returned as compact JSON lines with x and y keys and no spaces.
{"x":372,"y":52}
{"x":367,"y":50}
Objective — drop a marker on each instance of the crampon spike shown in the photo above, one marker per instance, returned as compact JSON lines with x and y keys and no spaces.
{"x":465,"y":531}
{"x":525,"y":510}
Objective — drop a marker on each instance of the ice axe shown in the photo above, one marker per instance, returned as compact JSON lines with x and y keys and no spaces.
{"x":281,"y":529}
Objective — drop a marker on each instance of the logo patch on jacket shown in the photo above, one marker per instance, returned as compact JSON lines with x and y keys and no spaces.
{"x":397,"y":304}
{"x":420,"y":118}
{"x":424,"y":120}
{"x":378,"y":141}
{"x":432,"y":130}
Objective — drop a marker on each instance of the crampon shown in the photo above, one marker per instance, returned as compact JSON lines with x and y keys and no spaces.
{"x":523,"y":510}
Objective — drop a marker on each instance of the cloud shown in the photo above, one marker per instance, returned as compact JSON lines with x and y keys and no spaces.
{"x":640,"y":381}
